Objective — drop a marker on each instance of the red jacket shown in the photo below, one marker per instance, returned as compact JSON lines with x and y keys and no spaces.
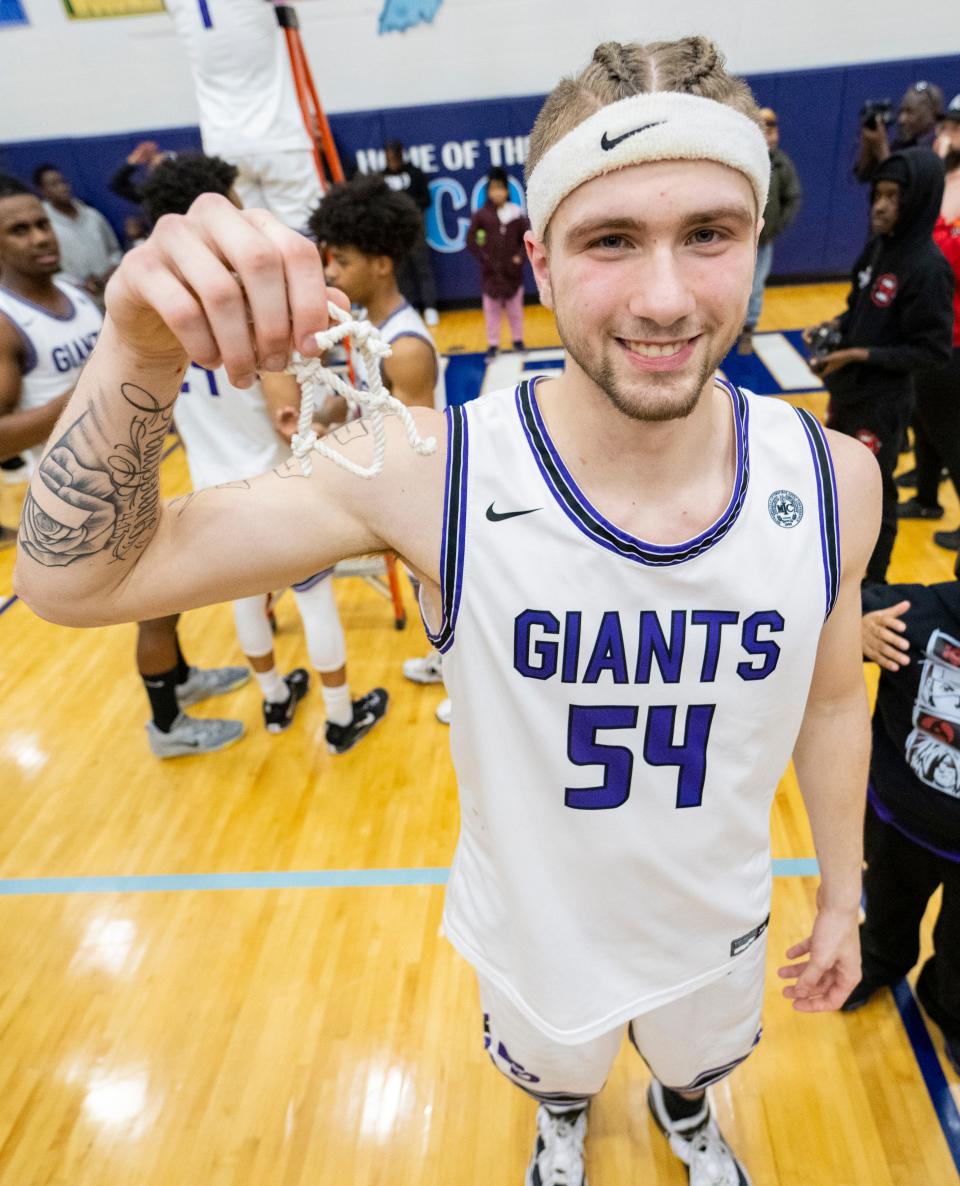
{"x":947,"y":238}
{"x":499,"y":248}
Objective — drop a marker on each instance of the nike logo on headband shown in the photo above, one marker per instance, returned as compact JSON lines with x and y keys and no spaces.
{"x":606,"y":143}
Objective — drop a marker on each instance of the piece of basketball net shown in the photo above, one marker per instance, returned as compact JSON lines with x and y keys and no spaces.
{"x":315,"y":379}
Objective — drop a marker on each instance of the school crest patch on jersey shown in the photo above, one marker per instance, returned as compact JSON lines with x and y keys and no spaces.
{"x":786,"y":510}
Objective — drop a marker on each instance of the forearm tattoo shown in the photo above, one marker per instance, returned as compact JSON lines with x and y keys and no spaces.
{"x":96,"y":496}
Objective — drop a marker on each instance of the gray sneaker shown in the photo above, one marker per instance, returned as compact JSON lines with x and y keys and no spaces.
{"x":204,"y":682}
{"x":188,"y":735}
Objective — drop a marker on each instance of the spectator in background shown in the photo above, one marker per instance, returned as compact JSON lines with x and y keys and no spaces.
{"x":89,"y":250}
{"x":936,"y":424}
{"x":898,"y":322}
{"x":128,"y":180}
{"x":912,"y":825}
{"x":920,"y":108}
{"x":783,"y":203}
{"x":415,"y":279}
{"x":249,"y":114}
{"x":495,"y":239}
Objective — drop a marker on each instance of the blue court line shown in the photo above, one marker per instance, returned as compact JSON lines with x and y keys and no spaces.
{"x":930,"y":1068}
{"x":274,"y":879}
{"x":12,"y":600}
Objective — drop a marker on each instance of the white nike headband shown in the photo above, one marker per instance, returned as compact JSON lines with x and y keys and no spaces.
{"x":663,"y":126}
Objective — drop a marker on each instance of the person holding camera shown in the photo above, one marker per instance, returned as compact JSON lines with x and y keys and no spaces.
{"x":920,"y":109}
{"x":898,"y":322}
{"x":936,"y":425}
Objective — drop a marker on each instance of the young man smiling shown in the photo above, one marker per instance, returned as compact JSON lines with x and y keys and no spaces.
{"x":617,"y":740}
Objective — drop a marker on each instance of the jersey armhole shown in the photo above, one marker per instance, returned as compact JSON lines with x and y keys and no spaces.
{"x":29,"y":350}
{"x":829,"y":514}
{"x":453,"y":543}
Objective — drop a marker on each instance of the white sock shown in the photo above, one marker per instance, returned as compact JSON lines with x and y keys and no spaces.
{"x":272,"y":685}
{"x":337,"y":704}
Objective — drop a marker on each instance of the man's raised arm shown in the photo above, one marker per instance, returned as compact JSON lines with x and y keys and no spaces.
{"x":96,"y":544}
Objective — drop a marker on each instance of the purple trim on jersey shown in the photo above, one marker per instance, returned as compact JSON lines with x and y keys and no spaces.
{"x":39,"y":308}
{"x":453,"y":542}
{"x":205,"y":14}
{"x":829,"y":517}
{"x":708,"y":1078}
{"x":887,"y":816}
{"x":390,"y":316}
{"x":312,"y":582}
{"x":584,"y":516}
{"x":30,"y":351}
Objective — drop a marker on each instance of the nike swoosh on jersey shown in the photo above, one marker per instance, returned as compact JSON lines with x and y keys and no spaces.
{"x":499,"y":516}
{"x":606,"y":143}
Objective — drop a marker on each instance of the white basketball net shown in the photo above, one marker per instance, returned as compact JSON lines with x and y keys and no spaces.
{"x":316,"y":380}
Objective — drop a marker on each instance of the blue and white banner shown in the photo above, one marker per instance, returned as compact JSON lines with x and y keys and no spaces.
{"x":11,"y":13}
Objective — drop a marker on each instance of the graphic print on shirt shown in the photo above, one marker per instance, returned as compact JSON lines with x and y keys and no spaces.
{"x":933,"y":746}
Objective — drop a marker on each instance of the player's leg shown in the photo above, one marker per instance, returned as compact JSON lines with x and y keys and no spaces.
{"x":173,"y":685}
{"x":281,"y":693}
{"x":514,"y":311}
{"x":692,"y":1043}
{"x":429,"y":668}
{"x":247,"y":182}
{"x":927,"y":432}
{"x":348,"y":720}
{"x":755,"y":305}
{"x":290,"y":186}
{"x":898,"y":882}
{"x":562,"y":1079}
{"x":939,"y":984}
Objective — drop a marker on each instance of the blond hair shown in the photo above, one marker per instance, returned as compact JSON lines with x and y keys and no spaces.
{"x":691,"y":66}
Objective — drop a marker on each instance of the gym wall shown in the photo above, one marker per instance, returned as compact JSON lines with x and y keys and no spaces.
{"x":463,"y":91}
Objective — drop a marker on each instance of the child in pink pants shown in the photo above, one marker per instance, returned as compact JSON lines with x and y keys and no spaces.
{"x":495,"y":239}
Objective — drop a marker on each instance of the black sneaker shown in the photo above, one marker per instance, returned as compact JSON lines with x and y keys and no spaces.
{"x":278,"y":717}
{"x":518,"y":344}
{"x":913,"y":508}
{"x":491,"y":353}
{"x":948,"y":539}
{"x":907,"y":480}
{"x":366,"y":712}
{"x":862,"y":993}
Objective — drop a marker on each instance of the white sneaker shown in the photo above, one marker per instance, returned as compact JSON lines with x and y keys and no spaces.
{"x":558,"y":1154}
{"x":193,"y":735}
{"x":698,"y":1143}
{"x":444,"y":711}
{"x":427,"y":670}
{"x":431,"y":316}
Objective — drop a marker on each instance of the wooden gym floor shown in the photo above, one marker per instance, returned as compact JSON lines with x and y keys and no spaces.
{"x":303,"y":1022}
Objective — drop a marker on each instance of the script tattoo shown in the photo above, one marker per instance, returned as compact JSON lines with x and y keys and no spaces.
{"x":86,"y":505}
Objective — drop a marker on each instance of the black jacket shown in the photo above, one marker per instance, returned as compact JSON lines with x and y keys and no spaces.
{"x":915,"y":765}
{"x":901,"y":303}
{"x":410,"y":180}
{"x":783,"y":200}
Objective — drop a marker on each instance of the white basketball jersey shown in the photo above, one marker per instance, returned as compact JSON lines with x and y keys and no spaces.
{"x":241,"y":72}
{"x":226,"y":431}
{"x":55,"y":348}
{"x":406,"y":322}
{"x":623,"y":711}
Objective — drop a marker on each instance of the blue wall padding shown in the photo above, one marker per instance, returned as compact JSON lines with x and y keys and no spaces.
{"x":818,"y":112}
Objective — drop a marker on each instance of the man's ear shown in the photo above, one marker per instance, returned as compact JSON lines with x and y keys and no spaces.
{"x":539,"y":261}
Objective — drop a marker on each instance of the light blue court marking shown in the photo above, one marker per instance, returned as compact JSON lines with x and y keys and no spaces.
{"x":174,"y":882}
{"x":293,"y":879}
{"x":5,"y":605}
{"x":796,"y":867}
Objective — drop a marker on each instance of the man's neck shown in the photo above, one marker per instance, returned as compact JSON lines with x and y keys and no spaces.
{"x":383,"y":304}
{"x":663,"y":481}
{"x":69,"y":207}
{"x":39,"y":289}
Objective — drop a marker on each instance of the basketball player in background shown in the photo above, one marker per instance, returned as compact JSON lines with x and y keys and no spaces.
{"x":231,"y":435}
{"x":47,"y":332}
{"x":248,"y":108}
{"x":616,"y":764}
{"x":368,"y":229}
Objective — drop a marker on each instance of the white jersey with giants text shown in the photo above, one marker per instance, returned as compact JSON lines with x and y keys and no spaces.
{"x":622,"y":711}
{"x":55,"y":348}
{"x":226,"y":431}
